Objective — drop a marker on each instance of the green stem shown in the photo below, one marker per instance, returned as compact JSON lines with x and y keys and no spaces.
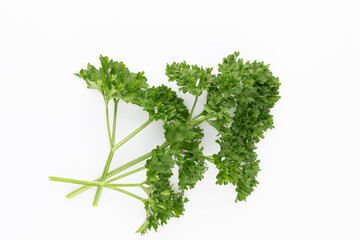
{"x":115,"y":171}
{"x":114,"y":123}
{"x":102,"y":184}
{"x":122,"y":184}
{"x":108,"y":121}
{"x":200,"y":120}
{"x":128,"y":193}
{"x":99,"y":182}
{"x":102,"y":178}
{"x":111,"y":173}
{"x":199,"y":115}
{"x":197,"y":123}
{"x":133,"y":134}
{"x":107,"y":165}
{"x":193,"y":107}
{"x":75,"y":181}
{"x":110,"y":157}
{"x":210,"y":159}
{"x":110,"y":186}
{"x":126,"y":174}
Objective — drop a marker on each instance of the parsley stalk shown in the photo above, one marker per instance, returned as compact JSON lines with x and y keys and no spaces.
{"x":126,"y":165}
{"x":113,"y":147}
{"x":94,"y":183}
{"x":133,"y":134}
{"x":116,"y":171}
{"x":108,"y":121}
{"x":201,"y":120}
{"x":112,"y":150}
{"x":128,"y":193}
{"x":89,"y":184}
{"x":197,"y":116}
{"x":193,"y":107}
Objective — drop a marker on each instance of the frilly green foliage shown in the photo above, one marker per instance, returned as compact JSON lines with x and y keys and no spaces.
{"x":192,"y":79}
{"x":113,"y":80}
{"x":184,"y":142}
{"x":163,"y":202}
{"x":248,"y":92}
{"x":239,"y":99}
{"x":162,"y":103}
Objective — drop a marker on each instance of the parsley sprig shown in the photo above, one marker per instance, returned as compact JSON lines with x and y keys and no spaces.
{"x":238,"y":103}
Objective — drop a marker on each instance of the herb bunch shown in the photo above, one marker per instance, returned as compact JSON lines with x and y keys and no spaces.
{"x":238,"y":102}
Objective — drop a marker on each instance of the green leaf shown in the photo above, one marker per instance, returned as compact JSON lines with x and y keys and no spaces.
{"x":240,"y":101}
{"x":113,"y":80}
{"x":184,"y":140}
{"x":163,"y":202}
{"x":192,"y":79}
{"x":162,"y":103}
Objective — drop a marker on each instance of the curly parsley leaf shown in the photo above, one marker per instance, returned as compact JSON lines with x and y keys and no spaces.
{"x":238,"y":104}
{"x":163,"y":202}
{"x":190,"y":78}
{"x":162,"y":103}
{"x":249,"y":90}
{"x":113,"y":80}
{"x":184,"y":140}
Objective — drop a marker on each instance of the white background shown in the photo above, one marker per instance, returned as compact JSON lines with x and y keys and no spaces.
{"x":50,"y":124}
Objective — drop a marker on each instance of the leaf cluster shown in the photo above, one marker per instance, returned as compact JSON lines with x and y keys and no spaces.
{"x":163,"y":202}
{"x":247,"y":91}
{"x":190,"y":78}
{"x":238,"y":103}
{"x":184,"y":151}
{"x":113,"y":80}
{"x":239,"y":99}
{"x":162,"y":103}
{"x":184,"y":142}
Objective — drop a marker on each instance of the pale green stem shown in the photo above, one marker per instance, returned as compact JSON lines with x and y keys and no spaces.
{"x":210,"y":159}
{"x":200,"y":120}
{"x":110,"y":157}
{"x":133,"y":162}
{"x":193,"y":107}
{"x":103,"y":184}
{"x":115,"y":171}
{"x":102,"y":178}
{"x":126,"y":174}
{"x":112,"y":173}
{"x":75,"y":181}
{"x":199,"y":115}
{"x":126,"y":165}
{"x":133,"y":134}
{"x":108,"y":121}
{"x":114,"y":123}
{"x":122,"y":184}
{"x":128,"y":193}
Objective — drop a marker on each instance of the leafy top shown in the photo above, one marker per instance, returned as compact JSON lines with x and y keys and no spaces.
{"x":184,"y":142}
{"x":190,"y":78}
{"x":162,"y":103}
{"x":245,"y":93}
{"x":113,"y":80}
{"x":163,"y":202}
